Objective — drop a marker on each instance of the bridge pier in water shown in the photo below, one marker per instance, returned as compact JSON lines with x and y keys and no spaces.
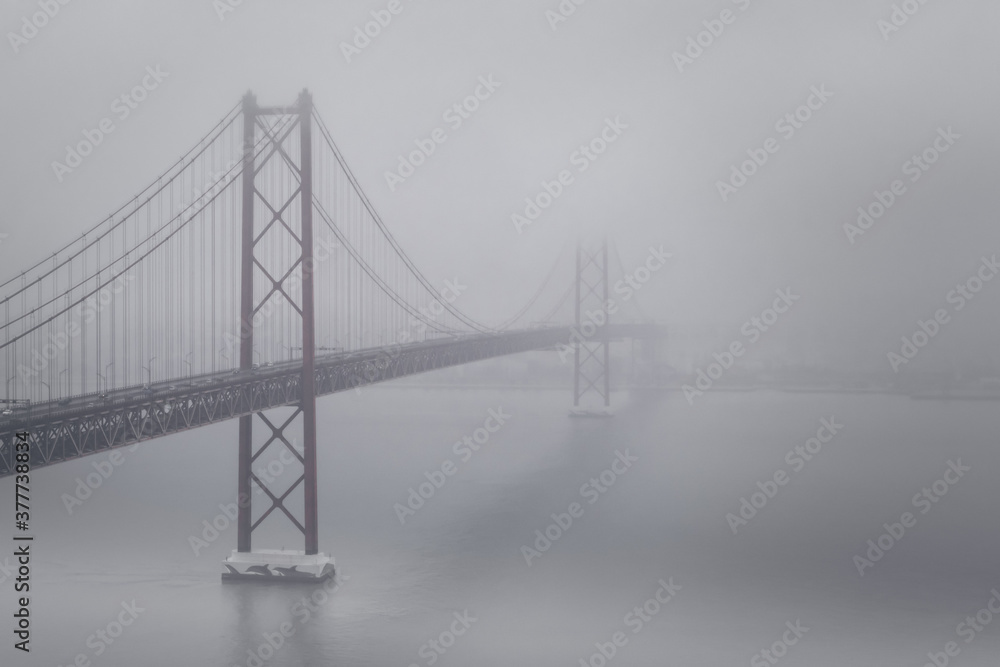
{"x":244,"y":563}
{"x":591,"y":345}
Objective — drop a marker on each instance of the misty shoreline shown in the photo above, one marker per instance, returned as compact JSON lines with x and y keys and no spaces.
{"x":956,"y":394}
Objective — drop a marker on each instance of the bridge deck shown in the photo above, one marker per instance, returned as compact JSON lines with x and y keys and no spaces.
{"x":92,"y":423}
{"x":60,"y":431}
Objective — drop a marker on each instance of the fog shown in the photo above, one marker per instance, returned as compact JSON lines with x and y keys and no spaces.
{"x":830,"y":165}
{"x":656,"y":186}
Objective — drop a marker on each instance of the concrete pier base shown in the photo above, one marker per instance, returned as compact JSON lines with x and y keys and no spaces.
{"x":277,"y":566}
{"x":591,"y":412}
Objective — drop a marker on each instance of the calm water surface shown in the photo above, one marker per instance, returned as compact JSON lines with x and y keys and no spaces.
{"x":461,"y":553}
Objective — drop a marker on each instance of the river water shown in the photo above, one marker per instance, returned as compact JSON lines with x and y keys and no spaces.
{"x":455,"y":572}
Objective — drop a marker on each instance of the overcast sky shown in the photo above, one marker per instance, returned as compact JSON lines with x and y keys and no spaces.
{"x":656,"y":185}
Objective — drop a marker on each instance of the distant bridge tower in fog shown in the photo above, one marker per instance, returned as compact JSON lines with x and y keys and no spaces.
{"x":591,"y":353}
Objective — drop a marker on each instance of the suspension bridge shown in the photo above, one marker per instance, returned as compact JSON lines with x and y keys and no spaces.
{"x":255,"y":274}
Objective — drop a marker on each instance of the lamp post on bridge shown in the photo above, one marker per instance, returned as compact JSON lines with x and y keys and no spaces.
{"x":105,"y":376}
{"x":149,"y":370}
